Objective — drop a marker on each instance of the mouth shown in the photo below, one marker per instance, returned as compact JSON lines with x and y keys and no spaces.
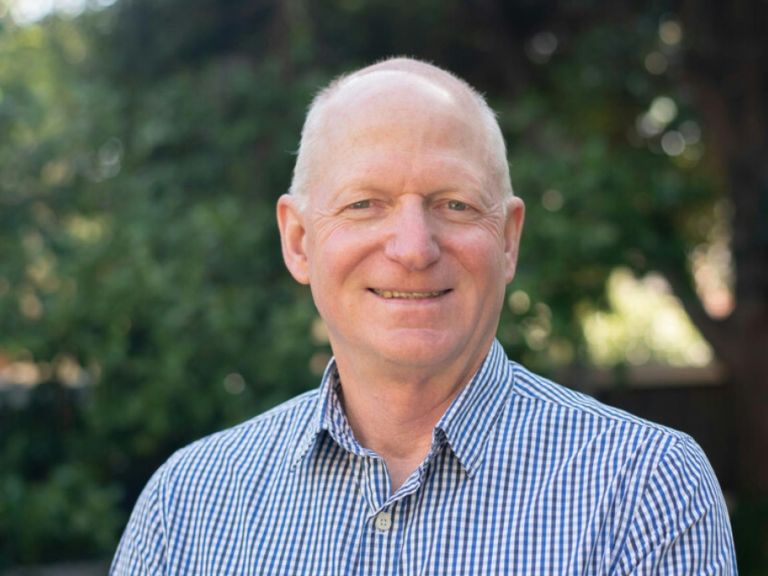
{"x":408,"y":295}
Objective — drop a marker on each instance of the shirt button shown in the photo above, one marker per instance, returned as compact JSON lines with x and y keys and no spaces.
{"x":383,"y":521}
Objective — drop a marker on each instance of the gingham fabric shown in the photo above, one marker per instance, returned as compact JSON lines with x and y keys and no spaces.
{"x":524,"y":477}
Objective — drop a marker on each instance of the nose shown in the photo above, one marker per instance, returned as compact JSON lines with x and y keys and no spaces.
{"x":411,"y":240}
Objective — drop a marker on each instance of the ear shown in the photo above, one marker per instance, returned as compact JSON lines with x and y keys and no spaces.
{"x":290,"y":220}
{"x":513,"y":228}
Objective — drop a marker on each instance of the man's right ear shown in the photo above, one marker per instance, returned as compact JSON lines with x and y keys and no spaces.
{"x":290,"y":220}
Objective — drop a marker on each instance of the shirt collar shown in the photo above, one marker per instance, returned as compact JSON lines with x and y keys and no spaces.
{"x":307,"y":436}
{"x":465,"y":425}
{"x":471,"y":416}
{"x":327,"y":416}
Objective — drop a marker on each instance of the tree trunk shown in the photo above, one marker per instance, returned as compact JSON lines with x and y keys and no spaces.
{"x":725,"y":68}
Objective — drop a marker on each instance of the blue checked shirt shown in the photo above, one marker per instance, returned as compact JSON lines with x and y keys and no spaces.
{"x":523,"y":477}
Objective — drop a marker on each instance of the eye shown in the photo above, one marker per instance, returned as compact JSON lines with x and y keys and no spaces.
{"x":360,"y":205}
{"x":457,"y":205}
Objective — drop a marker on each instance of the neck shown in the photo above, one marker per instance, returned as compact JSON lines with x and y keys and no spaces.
{"x":395,"y":416}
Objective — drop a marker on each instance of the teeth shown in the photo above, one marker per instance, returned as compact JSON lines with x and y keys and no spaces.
{"x":408,"y":295}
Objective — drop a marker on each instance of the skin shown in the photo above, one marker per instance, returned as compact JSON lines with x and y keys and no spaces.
{"x":407,"y":245}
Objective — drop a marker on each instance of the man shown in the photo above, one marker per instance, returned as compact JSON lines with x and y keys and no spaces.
{"x":425,"y":450}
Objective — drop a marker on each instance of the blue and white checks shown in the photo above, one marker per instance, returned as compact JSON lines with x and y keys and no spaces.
{"x":524,"y":477}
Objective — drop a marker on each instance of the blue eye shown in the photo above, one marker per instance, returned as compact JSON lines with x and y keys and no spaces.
{"x":457,"y":205}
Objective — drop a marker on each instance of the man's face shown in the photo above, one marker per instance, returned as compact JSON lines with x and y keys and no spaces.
{"x":405,"y":241}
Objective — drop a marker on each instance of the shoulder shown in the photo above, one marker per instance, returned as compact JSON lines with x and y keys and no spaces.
{"x":264,"y":436}
{"x":541,"y":394}
{"x":656,"y":482}
{"x":231,"y":464}
{"x":203,"y":479}
{"x":623,"y":446}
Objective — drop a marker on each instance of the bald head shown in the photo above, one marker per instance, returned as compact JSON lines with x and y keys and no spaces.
{"x":393,"y":89}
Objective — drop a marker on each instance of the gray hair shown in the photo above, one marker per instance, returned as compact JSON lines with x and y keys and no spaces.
{"x":496,"y":152}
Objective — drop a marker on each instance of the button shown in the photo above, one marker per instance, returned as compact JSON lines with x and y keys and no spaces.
{"x":383,"y":521}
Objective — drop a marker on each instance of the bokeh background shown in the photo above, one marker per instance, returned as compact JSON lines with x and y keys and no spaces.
{"x":143,"y":300}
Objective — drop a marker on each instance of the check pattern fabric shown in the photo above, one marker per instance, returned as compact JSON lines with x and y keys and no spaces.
{"x":523,"y":477}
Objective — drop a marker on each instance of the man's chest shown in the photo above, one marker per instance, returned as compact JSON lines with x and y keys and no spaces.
{"x":335,"y":516}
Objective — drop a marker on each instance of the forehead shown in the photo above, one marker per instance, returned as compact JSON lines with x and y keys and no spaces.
{"x":387,"y":122}
{"x":387,"y":100}
{"x":395,"y":172}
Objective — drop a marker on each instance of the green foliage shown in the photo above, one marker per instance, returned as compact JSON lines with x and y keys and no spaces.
{"x":67,"y":516}
{"x":139,"y":249}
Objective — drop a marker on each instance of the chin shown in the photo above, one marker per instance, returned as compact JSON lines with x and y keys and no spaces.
{"x":420,"y":350}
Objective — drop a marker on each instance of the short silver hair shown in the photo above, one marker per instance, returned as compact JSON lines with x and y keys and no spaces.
{"x":496,"y":151}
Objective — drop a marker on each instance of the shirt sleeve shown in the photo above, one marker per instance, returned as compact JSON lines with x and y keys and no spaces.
{"x":681,"y":526}
{"x":142,"y":548}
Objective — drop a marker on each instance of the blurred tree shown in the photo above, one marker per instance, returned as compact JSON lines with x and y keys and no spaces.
{"x":53,"y":504}
{"x":724,"y":70}
{"x":145,"y":146}
{"x":140,"y":254}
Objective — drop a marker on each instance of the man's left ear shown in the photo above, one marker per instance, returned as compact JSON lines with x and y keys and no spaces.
{"x":513,"y":228}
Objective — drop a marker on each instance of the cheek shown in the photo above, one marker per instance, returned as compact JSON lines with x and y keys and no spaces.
{"x":482,"y":252}
{"x":485,"y":267}
{"x":334,"y":254}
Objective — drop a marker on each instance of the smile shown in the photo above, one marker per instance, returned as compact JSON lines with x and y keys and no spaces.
{"x":390,"y":294}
